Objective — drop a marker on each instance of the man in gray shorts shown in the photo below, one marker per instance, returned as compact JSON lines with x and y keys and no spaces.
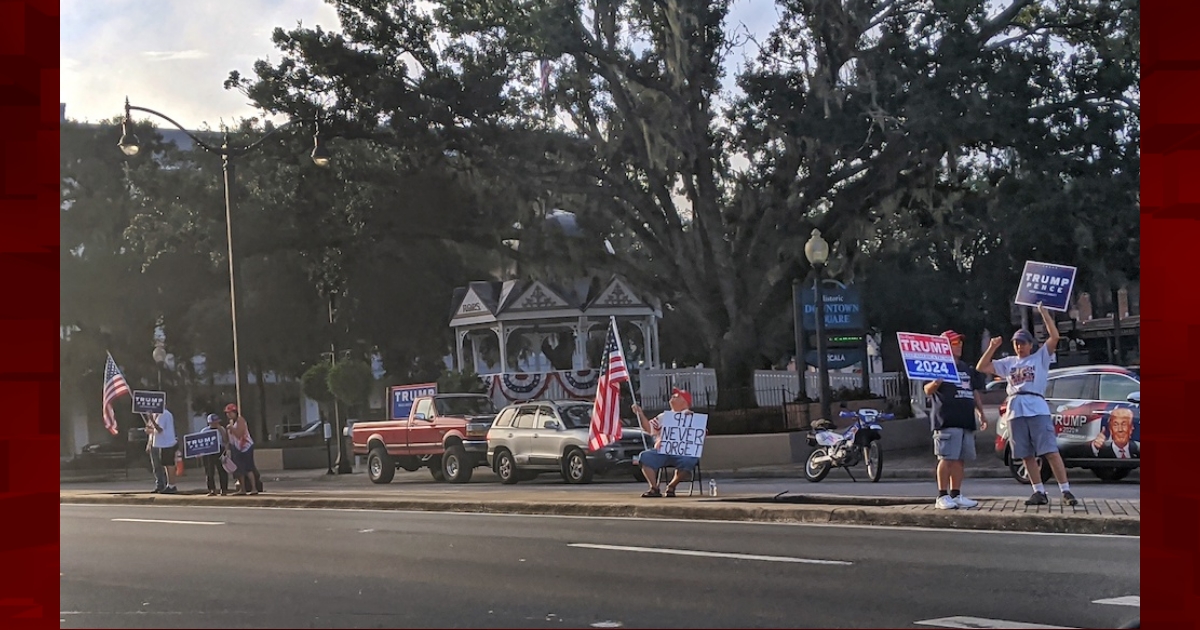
{"x":1031,"y":431}
{"x":953,"y":420}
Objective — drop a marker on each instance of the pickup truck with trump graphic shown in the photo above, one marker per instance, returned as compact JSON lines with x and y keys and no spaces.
{"x":1096,"y":411}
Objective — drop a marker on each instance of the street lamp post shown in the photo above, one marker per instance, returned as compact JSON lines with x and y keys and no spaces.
{"x":816,"y":250}
{"x":160,"y":358}
{"x":320,"y":156}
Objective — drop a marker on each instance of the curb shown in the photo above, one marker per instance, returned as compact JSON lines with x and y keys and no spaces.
{"x":703,"y":509}
{"x":861,"y":475}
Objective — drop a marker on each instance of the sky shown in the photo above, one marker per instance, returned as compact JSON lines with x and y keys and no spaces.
{"x":174,"y":55}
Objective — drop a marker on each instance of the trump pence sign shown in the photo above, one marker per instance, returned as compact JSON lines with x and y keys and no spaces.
{"x":1047,"y":283}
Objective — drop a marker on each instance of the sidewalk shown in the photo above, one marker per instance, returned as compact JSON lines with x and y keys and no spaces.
{"x":315,"y":489}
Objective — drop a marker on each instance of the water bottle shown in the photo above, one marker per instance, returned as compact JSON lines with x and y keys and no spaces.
{"x":712,"y":487}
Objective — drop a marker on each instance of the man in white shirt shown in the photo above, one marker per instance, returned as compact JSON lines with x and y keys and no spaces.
{"x":161,"y":429}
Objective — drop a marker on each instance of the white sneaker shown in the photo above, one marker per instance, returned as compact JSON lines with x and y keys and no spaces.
{"x":944,"y":502}
{"x":964,"y":502}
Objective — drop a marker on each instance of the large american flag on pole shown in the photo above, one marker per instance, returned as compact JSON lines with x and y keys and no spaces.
{"x":606,"y":417}
{"x":114,"y":387}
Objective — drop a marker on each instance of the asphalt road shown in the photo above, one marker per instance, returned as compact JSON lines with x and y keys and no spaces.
{"x":260,"y":567}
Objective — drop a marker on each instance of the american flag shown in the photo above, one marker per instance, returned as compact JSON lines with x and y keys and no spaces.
{"x":114,"y":387}
{"x":606,"y":419}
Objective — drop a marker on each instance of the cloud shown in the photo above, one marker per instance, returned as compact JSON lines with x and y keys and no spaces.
{"x":177,"y":55}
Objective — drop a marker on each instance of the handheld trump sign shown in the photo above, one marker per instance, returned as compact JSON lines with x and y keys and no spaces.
{"x":149,"y":402}
{"x":683,"y":433}
{"x":927,"y":357}
{"x":206,"y":442}
{"x":403,"y":396}
{"x":1046,"y":283}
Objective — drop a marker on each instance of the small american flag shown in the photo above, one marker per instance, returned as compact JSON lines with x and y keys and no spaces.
{"x":114,"y":387}
{"x":606,"y":419}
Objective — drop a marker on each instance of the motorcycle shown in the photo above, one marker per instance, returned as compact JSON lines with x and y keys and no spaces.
{"x":843,"y":450}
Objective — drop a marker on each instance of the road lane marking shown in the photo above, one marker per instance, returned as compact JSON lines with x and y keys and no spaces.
{"x":980,"y":622}
{"x":708,"y":554}
{"x":1128,"y":600}
{"x":905,"y":528}
{"x":153,"y":520}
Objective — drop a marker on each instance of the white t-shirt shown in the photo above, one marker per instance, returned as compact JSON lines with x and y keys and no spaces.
{"x":165,"y":438}
{"x":1026,"y":376}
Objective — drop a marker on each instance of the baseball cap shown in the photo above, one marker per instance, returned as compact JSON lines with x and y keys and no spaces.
{"x":952,"y":336}
{"x":686,"y":396}
{"x":212,"y":417}
{"x":1023,"y":336}
{"x":230,"y":407}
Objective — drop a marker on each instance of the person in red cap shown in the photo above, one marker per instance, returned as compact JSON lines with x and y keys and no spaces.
{"x":653,"y":460}
{"x":957,"y":411}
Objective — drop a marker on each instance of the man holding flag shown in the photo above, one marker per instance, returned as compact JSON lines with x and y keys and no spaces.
{"x":653,"y":460}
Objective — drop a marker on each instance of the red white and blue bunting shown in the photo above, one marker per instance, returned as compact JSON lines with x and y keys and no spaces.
{"x":549,"y":385}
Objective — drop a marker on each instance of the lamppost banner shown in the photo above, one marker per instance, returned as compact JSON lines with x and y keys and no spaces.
{"x":927,"y":357}
{"x":149,"y":401}
{"x":1047,"y":283}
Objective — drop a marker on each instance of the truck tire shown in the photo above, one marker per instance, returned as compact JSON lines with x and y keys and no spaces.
{"x":506,"y":467}
{"x":435,"y":468}
{"x":457,"y":466}
{"x":575,"y":468}
{"x":380,"y":467}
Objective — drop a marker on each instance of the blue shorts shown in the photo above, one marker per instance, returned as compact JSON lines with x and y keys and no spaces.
{"x":656,"y":460}
{"x":1032,"y":436}
{"x":244,"y":460}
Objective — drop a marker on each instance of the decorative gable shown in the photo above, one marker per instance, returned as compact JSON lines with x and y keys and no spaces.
{"x":616,"y":295}
{"x":471,"y":306}
{"x":538,"y":297}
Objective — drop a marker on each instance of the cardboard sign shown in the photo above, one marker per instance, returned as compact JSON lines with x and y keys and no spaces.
{"x":206,"y":442}
{"x":402,"y":397}
{"x":683,"y":433}
{"x":149,"y":401}
{"x":1046,"y":283}
{"x":927,"y":357}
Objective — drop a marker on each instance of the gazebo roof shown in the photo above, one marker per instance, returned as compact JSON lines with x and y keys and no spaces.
{"x":532,"y":300}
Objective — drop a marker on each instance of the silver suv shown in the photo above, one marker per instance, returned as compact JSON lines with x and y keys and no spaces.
{"x":551,"y":436}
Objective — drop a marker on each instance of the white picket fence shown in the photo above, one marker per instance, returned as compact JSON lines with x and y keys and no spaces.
{"x":771,"y":387}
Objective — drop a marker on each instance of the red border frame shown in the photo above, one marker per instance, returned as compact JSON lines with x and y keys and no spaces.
{"x":1170,"y":193}
{"x":29,"y":265}
{"x":1170,"y":314}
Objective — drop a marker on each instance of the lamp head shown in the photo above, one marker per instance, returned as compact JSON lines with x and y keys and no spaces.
{"x":816,"y":250}
{"x":129,"y":142}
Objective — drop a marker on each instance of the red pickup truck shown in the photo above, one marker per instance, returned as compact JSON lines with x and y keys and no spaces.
{"x":446,"y":433}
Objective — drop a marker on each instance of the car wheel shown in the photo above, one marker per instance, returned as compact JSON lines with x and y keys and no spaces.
{"x":506,"y":467}
{"x":576,"y":468}
{"x":639,"y":476}
{"x":1017,"y":468}
{"x":380,"y":467}
{"x":1111,"y":474}
{"x":435,"y":468}
{"x":815,"y":472}
{"x":457,"y":465}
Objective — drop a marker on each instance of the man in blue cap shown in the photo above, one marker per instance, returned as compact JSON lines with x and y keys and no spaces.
{"x":1031,"y":430}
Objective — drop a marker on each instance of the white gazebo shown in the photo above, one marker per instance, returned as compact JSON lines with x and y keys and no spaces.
{"x":515,"y":321}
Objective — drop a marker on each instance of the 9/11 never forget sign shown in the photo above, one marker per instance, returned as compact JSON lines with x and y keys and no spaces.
{"x":927,"y":357}
{"x":1047,"y":283}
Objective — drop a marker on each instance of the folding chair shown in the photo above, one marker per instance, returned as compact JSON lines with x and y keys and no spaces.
{"x":697,"y":478}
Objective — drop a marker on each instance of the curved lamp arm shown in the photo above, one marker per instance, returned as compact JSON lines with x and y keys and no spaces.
{"x":225,"y":150}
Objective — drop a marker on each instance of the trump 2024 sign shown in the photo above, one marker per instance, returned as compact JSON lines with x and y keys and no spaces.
{"x":927,"y":357}
{"x":1047,"y":283}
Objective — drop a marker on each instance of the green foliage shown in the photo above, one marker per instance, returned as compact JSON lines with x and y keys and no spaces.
{"x":466,"y":382}
{"x":350,"y":380}
{"x":315,"y":383}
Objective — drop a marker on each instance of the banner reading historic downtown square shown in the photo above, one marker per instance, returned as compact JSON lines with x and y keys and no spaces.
{"x":927,"y":357}
{"x":1047,"y":283}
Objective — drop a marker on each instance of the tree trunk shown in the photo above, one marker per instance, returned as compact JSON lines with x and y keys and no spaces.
{"x":733,"y":360}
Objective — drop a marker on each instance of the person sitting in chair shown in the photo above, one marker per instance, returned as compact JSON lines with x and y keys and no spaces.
{"x":653,"y":460}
